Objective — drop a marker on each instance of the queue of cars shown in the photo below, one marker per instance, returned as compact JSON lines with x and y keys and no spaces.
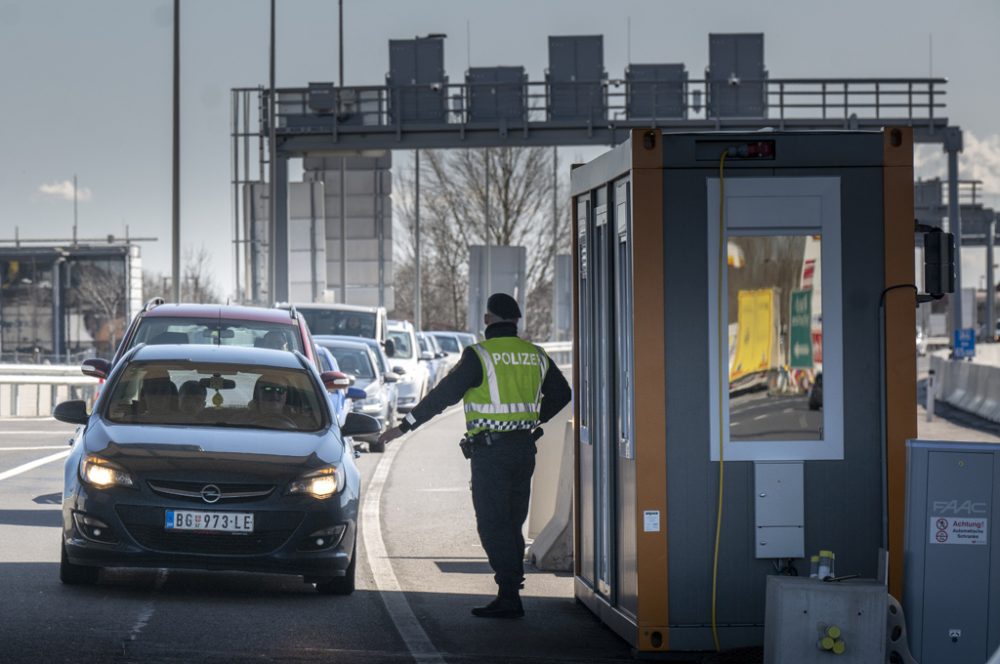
{"x":222,"y":438}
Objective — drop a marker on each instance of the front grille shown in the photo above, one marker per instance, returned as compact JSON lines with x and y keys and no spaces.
{"x":271,"y":530}
{"x":230,"y":492}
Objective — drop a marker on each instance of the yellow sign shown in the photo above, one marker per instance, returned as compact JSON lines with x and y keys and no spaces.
{"x":755,"y":337}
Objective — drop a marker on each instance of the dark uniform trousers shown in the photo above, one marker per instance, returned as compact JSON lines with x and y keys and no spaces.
{"x":501,"y":487}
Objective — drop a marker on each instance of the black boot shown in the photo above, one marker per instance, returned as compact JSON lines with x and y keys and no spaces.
{"x":506,"y":605}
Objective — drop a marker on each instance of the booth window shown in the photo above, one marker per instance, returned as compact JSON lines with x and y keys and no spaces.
{"x":779,"y":388}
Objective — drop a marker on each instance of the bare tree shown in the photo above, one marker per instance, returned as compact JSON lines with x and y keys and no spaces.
{"x":197,"y":280}
{"x":454,"y":209}
{"x":104,"y":293}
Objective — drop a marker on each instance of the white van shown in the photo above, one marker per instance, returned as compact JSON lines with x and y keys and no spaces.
{"x":413,"y":374}
{"x":347,"y":320}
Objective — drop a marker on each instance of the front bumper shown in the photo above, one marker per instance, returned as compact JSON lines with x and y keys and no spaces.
{"x":283,"y":540}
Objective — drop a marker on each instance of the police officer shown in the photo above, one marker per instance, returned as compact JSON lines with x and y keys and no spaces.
{"x":509,"y":387}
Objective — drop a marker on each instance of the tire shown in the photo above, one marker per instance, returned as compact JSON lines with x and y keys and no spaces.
{"x":341,"y":585}
{"x":76,"y":575}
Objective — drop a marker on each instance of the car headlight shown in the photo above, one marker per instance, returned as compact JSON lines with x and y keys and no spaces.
{"x":103,"y":473}
{"x":321,"y":483}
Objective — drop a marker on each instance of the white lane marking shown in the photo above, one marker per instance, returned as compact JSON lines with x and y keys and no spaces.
{"x":409,"y":628}
{"x":36,"y":447}
{"x":34,"y":464}
{"x":759,"y":417}
{"x":34,"y":432}
{"x":147,"y":609}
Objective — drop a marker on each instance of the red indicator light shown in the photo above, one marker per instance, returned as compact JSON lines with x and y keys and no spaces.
{"x":755,"y":150}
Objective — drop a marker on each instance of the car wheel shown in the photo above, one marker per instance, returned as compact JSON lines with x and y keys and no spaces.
{"x":341,"y":585}
{"x":76,"y":575}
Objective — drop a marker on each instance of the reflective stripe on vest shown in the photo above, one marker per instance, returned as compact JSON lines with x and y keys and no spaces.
{"x":509,"y":397}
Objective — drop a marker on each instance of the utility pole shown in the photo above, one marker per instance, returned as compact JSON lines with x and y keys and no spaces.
{"x":272,"y":145}
{"x":176,"y":202}
{"x":554,"y":335}
{"x":489,"y":263}
{"x":417,"y":314}
{"x":340,"y":41}
{"x":74,"y":209}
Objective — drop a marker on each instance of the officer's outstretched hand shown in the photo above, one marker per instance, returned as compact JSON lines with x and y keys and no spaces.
{"x":389,"y":435}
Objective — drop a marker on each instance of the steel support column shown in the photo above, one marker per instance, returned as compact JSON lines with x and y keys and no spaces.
{"x":953,"y":145}
{"x":279,"y":223}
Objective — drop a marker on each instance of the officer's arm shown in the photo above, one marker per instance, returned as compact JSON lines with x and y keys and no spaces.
{"x":468,"y":373}
{"x":556,"y":393}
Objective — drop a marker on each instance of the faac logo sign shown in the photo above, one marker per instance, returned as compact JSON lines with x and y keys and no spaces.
{"x":959,"y":507}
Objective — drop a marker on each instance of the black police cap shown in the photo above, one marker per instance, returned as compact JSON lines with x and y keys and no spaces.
{"x":503,"y":306}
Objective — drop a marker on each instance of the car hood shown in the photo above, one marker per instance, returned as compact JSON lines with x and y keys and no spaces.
{"x":367,"y":384}
{"x":262,"y":453}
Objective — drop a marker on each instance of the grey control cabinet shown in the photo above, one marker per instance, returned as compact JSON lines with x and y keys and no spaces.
{"x":416,"y":80}
{"x":736,"y":76}
{"x":656,"y":91}
{"x":576,"y":78}
{"x":950,"y":598}
{"x":496,"y":93}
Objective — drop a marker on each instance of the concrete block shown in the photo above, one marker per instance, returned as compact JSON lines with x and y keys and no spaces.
{"x":362,"y":273}
{"x":365,"y":250}
{"x":299,"y":206}
{"x":799,"y":611}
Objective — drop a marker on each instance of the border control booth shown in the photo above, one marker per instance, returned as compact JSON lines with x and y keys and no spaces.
{"x":744,"y":316}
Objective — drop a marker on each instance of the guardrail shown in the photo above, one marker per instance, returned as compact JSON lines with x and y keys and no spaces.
{"x":561,"y":352}
{"x":33,"y":390}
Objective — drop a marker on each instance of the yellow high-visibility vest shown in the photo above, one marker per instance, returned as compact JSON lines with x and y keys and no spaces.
{"x":509,"y":397}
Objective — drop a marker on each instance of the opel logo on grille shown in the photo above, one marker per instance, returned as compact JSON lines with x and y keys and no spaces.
{"x":211,"y":493}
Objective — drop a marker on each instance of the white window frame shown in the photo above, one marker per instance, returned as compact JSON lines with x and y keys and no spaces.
{"x":780,"y":206}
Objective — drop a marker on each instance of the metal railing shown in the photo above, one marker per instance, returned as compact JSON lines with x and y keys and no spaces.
{"x":918,"y":101}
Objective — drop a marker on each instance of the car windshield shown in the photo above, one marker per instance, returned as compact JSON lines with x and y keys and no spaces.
{"x":155,"y":330}
{"x":353,"y":361}
{"x":181,"y":392}
{"x":466,"y":339}
{"x":403,"y":342}
{"x":337,"y":321}
{"x":448,"y":344}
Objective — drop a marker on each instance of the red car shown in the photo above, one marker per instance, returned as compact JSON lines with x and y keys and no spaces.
{"x":212,"y":324}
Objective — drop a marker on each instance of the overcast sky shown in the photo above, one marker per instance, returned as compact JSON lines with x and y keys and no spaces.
{"x":87,"y":84}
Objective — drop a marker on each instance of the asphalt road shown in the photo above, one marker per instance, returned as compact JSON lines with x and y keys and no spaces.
{"x":411,"y":604}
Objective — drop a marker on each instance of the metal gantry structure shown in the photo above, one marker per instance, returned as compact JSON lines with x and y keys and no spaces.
{"x":498,"y":111}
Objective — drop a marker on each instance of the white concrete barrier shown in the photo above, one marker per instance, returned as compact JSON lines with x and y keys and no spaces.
{"x":970,"y":386}
{"x":552,"y":549}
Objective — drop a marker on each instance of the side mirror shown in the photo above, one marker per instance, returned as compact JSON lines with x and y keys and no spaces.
{"x":426,"y":356}
{"x":96,"y":368}
{"x":357,"y":424}
{"x":335,"y":380}
{"x":72,"y":412}
{"x":398,"y":371}
{"x":441,"y":354}
{"x":356,"y":393}
{"x":390,"y":377}
{"x":390,"y":347}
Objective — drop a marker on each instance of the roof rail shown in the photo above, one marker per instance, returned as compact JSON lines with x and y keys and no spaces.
{"x":152,"y":302}
{"x":292,"y":312}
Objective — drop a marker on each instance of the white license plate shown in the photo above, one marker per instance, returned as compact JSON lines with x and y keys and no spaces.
{"x":214,"y":522}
